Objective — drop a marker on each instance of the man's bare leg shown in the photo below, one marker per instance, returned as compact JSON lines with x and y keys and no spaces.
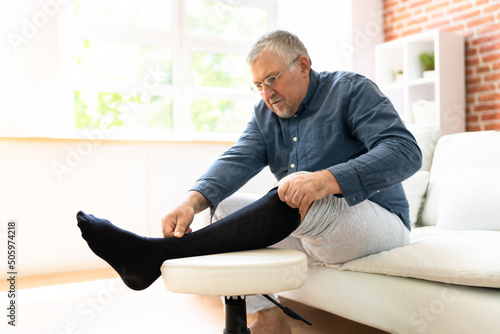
{"x":271,"y":321}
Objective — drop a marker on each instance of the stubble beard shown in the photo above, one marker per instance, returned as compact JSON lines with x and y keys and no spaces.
{"x":285,"y":111}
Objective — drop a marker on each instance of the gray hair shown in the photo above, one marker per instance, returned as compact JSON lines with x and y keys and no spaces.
{"x":285,"y":44}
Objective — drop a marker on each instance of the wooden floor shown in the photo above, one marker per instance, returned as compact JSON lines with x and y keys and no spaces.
{"x":57,"y":303}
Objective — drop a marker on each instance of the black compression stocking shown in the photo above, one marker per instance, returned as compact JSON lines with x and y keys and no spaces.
{"x":138,"y":259}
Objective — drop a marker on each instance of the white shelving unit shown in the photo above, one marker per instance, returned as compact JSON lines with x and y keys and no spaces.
{"x":412,"y":93}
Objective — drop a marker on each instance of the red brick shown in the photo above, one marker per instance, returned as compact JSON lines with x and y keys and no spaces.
{"x":482,"y":20}
{"x":437,"y":24}
{"x":487,"y":107}
{"x":397,"y":18}
{"x":419,"y":3}
{"x":482,"y":69}
{"x":418,"y":21}
{"x":489,"y":48}
{"x":437,"y":6}
{"x":437,"y":15}
{"x":473,"y":81}
{"x":481,"y":2}
{"x":459,"y":8}
{"x":490,"y":117}
{"x":472,"y":118}
{"x":401,"y":9}
{"x":390,"y":4}
{"x":472,"y":61}
{"x":489,"y":58}
{"x":489,"y":97}
{"x":468,"y":33}
{"x":455,"y":28}
{"x":485,"y":39}
{"x":496,"y":66}
{"x":480,"y":88}
{"x":389,"y":38}
{"x":492,"y":8}
{"x":492,"y":126}
{"x":488,"y":28}
{"x":492,"y":77}
{"x":388,"y":30}
{"x":411,"y":31}
{"x":469,"y":52}
{"x":468,"y":15}
{"x":473,"y":128}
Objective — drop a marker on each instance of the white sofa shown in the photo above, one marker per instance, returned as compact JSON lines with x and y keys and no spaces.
{"x":448,"y":279}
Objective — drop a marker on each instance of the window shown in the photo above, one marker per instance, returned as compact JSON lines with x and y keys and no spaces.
{"x":160,"y":68}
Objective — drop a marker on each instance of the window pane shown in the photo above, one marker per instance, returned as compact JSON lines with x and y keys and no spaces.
{"x":218,"y":115}
{"x":225,"y":20}
{"x":105,"y":111}
{"x":98,"y":60}
{"x":145,"y":14}
{"x":219,"y":70}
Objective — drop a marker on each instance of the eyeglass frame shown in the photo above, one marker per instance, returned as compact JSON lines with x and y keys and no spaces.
{"x":275,"y":78}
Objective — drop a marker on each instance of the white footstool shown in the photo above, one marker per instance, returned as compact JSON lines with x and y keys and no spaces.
{"x":235,"y":275}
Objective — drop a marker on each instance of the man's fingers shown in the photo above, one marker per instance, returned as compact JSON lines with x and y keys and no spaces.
{"x":282,"y":191}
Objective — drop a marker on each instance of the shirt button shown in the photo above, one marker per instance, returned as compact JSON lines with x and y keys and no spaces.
{"x":294,"y":138}
{"x":292,"y":165}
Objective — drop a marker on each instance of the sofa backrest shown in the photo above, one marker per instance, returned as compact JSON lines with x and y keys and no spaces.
{"x":468,"y":151}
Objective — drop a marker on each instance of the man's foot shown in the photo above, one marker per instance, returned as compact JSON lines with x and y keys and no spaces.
{"x":271,"y":321}
{"x":134,"y":258}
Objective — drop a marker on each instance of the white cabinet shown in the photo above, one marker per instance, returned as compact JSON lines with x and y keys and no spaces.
{"x":428,"y":100}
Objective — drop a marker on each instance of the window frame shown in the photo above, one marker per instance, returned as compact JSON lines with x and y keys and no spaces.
{"x":182,"y":43}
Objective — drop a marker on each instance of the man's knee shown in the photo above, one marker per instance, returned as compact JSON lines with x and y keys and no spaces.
{"x":234,"y":203}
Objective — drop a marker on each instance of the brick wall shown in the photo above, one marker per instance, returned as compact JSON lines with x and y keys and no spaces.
{"x":479,"y":22}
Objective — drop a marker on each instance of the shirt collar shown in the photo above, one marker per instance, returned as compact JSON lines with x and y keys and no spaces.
{"x":313,"y":85}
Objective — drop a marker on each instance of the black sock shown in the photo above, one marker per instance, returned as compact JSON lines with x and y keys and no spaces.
{"x":138,"y":259}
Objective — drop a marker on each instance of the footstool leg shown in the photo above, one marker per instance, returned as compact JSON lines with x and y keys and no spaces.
{"x":236,"y":315}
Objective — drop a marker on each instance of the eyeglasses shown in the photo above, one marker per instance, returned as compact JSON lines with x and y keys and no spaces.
{"x":272,"y":81}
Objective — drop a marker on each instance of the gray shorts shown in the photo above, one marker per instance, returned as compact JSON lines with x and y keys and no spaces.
{"x":332,"y":232}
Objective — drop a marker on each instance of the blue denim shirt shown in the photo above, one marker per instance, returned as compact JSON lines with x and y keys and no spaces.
{"x":345,"y":125}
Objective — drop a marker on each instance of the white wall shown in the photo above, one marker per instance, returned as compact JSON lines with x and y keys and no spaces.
{"x":29,"y":69}
{"x":322,"y":26}
{"x":339,"y":34}
{"x":45,"y":182}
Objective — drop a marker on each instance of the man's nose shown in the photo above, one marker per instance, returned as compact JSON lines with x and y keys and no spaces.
{"x":268,"y":92}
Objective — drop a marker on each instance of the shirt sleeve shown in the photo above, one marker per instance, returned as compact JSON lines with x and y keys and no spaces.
{"x":235,"y":167}
{"x":392,"y":152}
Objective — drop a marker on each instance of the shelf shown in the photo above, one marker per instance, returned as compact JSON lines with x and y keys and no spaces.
{"x":446,"y":87}
{"x":421,"y":81}
{"x":392,"y":86}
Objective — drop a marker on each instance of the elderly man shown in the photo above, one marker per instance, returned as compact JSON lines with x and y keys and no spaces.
{"x":339,"y":151}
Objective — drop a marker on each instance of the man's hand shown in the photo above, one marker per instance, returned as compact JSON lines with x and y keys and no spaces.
{"x":176,"y":223}
{"x":300,"y":189}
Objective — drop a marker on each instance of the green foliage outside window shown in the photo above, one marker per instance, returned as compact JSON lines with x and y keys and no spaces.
{"x":130,"y":81}
{"x":213,"y":115}
{"x":99,"y":110}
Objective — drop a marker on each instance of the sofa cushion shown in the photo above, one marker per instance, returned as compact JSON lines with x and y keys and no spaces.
{"x":469,"y":200}
{"x":415,"y":188}
{"x":456,"y":257}
{"x":462,"y":151}
{"x":426,"y":140}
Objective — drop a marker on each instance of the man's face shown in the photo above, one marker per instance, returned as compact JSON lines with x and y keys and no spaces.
{"x":285,"y":98}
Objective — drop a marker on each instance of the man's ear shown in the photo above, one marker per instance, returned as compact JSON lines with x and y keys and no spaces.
{"x":304,"y":65}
